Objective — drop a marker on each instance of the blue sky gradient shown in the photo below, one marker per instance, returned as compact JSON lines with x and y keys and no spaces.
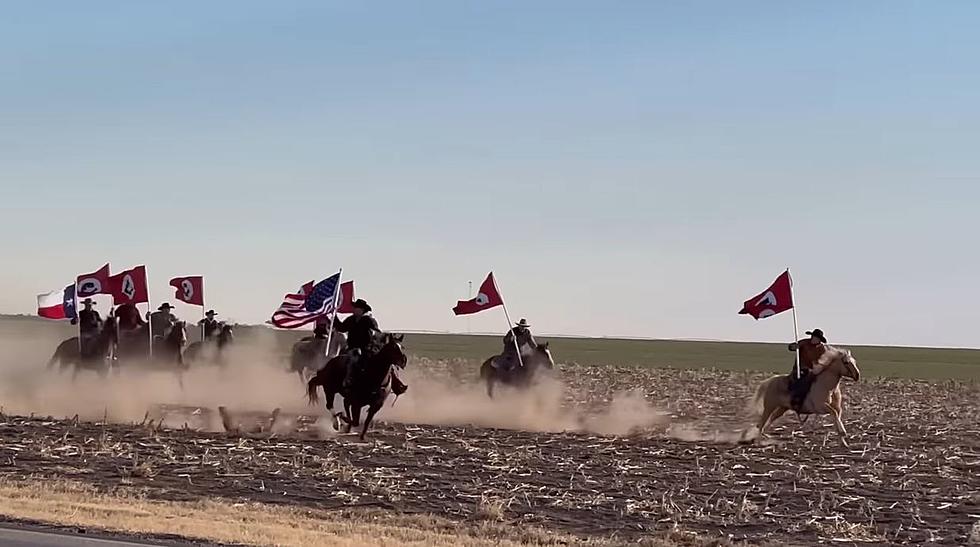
{"x":626,"y":168}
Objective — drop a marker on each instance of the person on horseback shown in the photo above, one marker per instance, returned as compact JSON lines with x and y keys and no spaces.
{"x":810,"y":350}
{"x":211,"y":325}
{"x":519,"y":343}
{"x":362,"y":329}
{"x":128,"y":317}
{"x":162,"y":320}
{"x":89,"y":325}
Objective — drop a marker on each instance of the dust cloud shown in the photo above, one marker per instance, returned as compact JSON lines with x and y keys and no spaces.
{"x":256,"y":380}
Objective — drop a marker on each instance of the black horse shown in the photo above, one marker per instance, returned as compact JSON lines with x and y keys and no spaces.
{"x":519,"y":377}
{"x":370,"y":384}
{"x":97,"y":355}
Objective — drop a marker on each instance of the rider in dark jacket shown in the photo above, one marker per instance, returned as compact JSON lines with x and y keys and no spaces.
{"x":810,"y":350}
{"x":361,"y":329}
{"x":89,"y":324}
{"x":211,"y":325}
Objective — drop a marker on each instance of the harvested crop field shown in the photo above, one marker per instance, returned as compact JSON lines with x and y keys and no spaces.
{"x":613,"y":453}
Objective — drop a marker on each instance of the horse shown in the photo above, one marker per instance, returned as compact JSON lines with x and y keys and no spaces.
{"x":309,"y":353}
{"x":535,"y":362}
{"x":773,"y":397}
{"x":225,"y":337}
{"x":98,"y":356}
{"x":369,"y":387}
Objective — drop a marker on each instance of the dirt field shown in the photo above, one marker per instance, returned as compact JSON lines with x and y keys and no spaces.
{"x":618,"y":453}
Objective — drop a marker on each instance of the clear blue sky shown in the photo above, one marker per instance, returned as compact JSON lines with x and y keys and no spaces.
{"x":627,"y":168}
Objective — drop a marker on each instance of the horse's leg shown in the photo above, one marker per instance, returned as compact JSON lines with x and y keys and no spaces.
{"x":356,"y":409}
{"x":372,"y":410}
{"x":833,"y":410}
{"x":490,"y":385}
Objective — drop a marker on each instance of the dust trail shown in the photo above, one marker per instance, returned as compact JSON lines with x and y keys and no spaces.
{"x":255,"y":380}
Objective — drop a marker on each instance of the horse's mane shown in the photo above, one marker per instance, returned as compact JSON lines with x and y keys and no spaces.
{"x":832,"y":353}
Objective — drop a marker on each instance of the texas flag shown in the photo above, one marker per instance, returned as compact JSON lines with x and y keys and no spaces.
{"x":487,"y":297}
{"x":57,"y":304}
{"x":129,"y":287}
{"x":189,"y":289}
{"x":776,"y":299}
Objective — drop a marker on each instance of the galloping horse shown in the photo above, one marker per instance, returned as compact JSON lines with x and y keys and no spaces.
{"x":369,"y":387}
{"x":518,"y":377}
{"x":97,"y":356}
{"x":196,"y":351}
{"x":309,"y":354}
{"x":773,"y":397}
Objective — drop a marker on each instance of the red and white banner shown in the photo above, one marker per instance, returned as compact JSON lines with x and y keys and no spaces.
{"x":346,"y":297}
{"x":51,"y":305}
{"x":93,"y":283}
{"x":190,"y":289}
{"x":487,"y":297}
{"x":776,"y":299}
{"x":129,"y":287}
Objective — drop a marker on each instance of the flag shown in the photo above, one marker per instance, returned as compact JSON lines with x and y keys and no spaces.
{"x":93,"y":283}
{"x":129,"y":287}
{"x":52,"y":305}
{"x":189,"y":289}
{"x":309,"y":304}
{"x":69,"y":302}
{"x":346,"y":297}
{"x":776,"y":299}
{"x":488,"y":297}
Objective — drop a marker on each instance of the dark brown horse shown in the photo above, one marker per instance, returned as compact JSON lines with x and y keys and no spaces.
{"x":370,"y":385}
{"x":518,"y":377}
{"x":97,"y":355}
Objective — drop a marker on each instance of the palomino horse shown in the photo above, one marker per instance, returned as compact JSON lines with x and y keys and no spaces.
{"x":97,"y":356}
{"x":369,"y":386}
{"x":773,"y":397}
{"x":535,"y":362}
{"x":309,"y":354}
{"x":202,"y":351}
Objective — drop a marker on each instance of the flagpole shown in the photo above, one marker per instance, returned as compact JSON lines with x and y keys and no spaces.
{"x":78,"y":319}
{"x":796,"y":327}
{"x":202,"y":311}
{"x":149,"y":315}
{"x":469,"y":323}
{"x":510,"y":324}
{"x":333,"y":317}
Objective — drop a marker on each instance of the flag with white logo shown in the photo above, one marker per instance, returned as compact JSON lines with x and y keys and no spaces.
{"x":189,"y":290}
{"x":93,"y":283}
{"x":129,"y":287}
{"x":487,"y":297}
{"x":776,"y":299}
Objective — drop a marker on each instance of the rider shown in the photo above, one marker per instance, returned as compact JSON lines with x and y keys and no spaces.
{"x":211,"y":325}
{"x":128,"y":317}
{"x":89,"y":323}
{"x":810,"y":350}
{"x":518,"y":337}
{"x":361,"y":328}
{"x":161,"y":321}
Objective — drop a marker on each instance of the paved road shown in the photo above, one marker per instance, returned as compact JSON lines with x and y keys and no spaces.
{"x":15,"y":537}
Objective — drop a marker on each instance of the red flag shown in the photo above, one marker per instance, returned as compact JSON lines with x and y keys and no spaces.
{"x":129,"y":287}
{"x":346,"y":297}
{"x":488,"y":297}
{"x":189,"y":289}
{"x":776,"y":299}
{"x":93,"y":283}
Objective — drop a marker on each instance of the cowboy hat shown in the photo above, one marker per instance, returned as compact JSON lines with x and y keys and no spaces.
{"x":523,"y":323}
{"x":360,"y":303}
{"x":165,"y":306}
{"x":211,"y":312}
{"x":818,"y":333}
{"x":88,"y":301}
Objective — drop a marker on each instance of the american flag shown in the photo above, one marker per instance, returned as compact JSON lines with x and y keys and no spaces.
{"x":307,"y":305}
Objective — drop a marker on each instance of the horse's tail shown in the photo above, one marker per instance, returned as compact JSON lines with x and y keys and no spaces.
{"x":311,"y":387}
{"x":54,"y":358}
{"x":486,"y":369}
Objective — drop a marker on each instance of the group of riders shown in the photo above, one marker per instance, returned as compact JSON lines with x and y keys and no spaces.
{"x":363,"y":337}
{"x":130,"y":324}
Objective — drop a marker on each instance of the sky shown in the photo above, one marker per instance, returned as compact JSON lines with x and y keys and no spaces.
{"x":625,"y":168}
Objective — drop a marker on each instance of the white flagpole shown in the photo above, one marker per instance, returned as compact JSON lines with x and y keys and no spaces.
{"x":149,"y":315}
{"x":469,"y":296}
{"x":78,"y":319}
{"x":796,"y":327}
{"x":333,"y":317}
{"x":510,"y":324}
